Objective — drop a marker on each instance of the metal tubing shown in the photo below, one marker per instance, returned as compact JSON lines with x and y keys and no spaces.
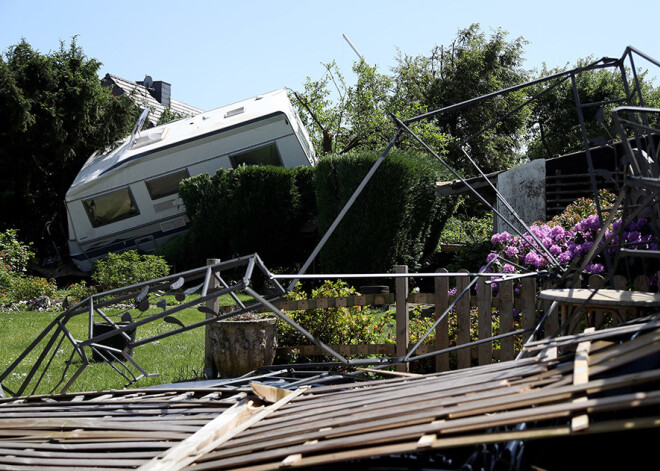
{"x":207,"y":281}
{"x":52,"y":357}
{"x":546,"y":314}
{"x":476,"y":193}
{"x":191,"y":326}
{"x":248,"y":272}
{"x":594,"y":65}
{"x":90,"y":327}
{"x":547,"y":255}
{"x":334,"y":276}
{"x":513,"y":111}
{"x":30,"y":347}
{"x":232,"y":294}
{"x":154,"y":317}
{"x":641,"y":54}
{"x":124,"y":334}
{"x":471,"y":344}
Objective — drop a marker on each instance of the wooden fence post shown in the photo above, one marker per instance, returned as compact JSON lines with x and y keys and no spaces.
{"x":464,"y":355}
{"x":551,"y":325}
{"x":529,"y":318}
{"x":402,"y":321}
{"x":214,"y":304}
{"x":442,"y":330}
{"x":506,"y":320}
{"x":485,"y":320}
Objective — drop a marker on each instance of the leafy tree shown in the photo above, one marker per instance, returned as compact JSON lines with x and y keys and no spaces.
{"x":359,"y":118}
{"x":471,"y":66}
{"x":554,"y":127}
{"x":55,"y":113}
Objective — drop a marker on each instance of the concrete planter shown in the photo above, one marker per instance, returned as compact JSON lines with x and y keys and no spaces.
{"x":240,"y":346}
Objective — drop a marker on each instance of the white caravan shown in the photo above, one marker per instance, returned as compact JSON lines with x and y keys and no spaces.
{"x":128,"y":198}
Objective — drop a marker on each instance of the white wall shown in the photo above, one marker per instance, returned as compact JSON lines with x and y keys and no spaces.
{"x":524,"y":188}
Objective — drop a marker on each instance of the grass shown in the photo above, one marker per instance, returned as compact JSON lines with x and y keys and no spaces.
{"x":176,"y":358}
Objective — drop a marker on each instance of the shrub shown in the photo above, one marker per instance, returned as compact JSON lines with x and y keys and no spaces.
{"x":397,"y":219}
{"x":27,"y":288}
{"x":127,"y":268}
{"x":567,"y":244}
{"x":80,"y":291}
{"x":581,"y":209}
{"x":333,"y":326}
{"x":14,"y":257}
{"x":250,"y":209}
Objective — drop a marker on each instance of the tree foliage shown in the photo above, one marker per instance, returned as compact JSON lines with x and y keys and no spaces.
{"x":359,"y":116}
{"x":472,"y":65}
{"x":554,"y":127}
{"x":55,"y":113}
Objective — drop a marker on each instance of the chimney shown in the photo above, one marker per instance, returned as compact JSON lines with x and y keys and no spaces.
{"x":162,"y":91}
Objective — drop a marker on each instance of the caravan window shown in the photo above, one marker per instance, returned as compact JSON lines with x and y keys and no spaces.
{"x":266,"y":155}
{"x":167,"y":185}
{"x":111,"y":207}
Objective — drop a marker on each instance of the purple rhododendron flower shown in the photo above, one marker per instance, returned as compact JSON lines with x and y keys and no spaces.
{"x":595,"y":268}
{"x":567,"y":245}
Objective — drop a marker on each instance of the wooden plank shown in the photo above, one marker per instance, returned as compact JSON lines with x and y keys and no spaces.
{"x":581,"y":376}
{"x":388,"y":372}
{"x":506,"y":320}
{"x":485,"y":320}
{"x":641,"y":283}
{"x":269,"y":393}
{"x":88,"y":463}
{"x":174,"y":457}
{"x":337,"y":440}
{"x":464,"y":358}
{"x":402,"y":319}
{"x":441,"y":299}
{"x":528,"y":297}
{"x":551,"y":326}
{"x":214,"y":435}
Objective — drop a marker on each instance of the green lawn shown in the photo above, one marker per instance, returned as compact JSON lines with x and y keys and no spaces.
{"x":176,"y":358}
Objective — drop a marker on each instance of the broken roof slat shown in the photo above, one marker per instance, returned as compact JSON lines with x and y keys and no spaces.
{"x":331,"y":423}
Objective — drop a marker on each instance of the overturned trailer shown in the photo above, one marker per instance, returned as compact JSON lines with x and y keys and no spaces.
{"x":128,"y":198}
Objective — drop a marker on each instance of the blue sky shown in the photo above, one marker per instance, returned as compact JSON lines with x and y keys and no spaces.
{"x":218,"y":52}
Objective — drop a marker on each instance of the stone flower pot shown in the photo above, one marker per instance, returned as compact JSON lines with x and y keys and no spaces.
{"x":242,"y":344}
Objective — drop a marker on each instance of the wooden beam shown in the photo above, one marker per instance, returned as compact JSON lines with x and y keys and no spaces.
{"x":214,"y":434}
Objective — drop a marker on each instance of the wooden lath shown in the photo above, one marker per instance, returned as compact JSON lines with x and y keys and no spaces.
{"x":104,"y":430}
{"x":562,"y":394}
{"x":336,"y":423}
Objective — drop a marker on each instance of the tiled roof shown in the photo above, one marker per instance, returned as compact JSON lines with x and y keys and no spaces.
{"x":143,"y":99}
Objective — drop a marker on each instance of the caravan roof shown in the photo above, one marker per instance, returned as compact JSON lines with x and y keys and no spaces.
{"x":180,"y":132}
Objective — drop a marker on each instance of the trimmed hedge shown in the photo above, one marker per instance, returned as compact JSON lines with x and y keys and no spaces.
{"x":396,"y":220}
{"x":250,"y":209}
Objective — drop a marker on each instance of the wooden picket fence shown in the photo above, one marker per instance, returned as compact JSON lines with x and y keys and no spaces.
{"x":483,"y":303}
{"x":507,"y":303}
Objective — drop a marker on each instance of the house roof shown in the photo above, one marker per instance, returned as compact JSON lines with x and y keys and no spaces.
{"x":142,"y":98}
